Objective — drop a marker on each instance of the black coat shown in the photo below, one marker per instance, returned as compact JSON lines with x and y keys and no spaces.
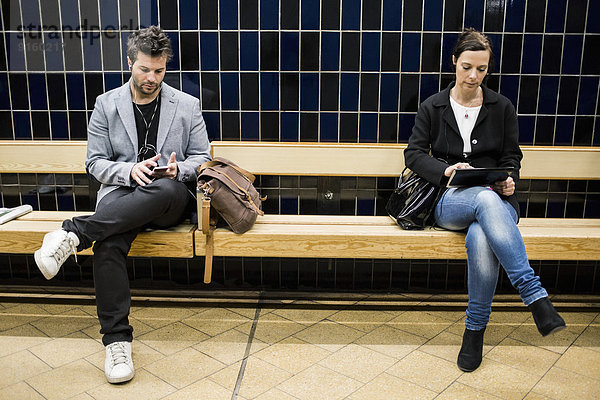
{"x":494,"y":140}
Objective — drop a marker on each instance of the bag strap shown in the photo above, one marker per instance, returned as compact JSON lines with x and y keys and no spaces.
{"x":208,"y":256}
{"x":222,"y":161}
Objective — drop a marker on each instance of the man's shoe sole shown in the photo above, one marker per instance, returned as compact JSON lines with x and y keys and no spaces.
{"x":120,"y":380}
{"x":38,"y":261}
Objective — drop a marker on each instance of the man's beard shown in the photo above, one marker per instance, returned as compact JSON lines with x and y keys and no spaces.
{"x":144,"y":91}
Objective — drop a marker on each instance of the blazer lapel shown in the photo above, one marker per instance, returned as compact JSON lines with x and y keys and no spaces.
{"x":125,"y":110}
{"x":168,"y":106}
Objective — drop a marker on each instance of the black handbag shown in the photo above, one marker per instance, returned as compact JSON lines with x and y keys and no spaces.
{"x":412,"y":203}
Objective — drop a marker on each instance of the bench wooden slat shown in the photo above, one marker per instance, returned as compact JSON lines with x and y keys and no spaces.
{"x":545,"y":239}
{"x":25,"y":234}
{"x":43,"y":156}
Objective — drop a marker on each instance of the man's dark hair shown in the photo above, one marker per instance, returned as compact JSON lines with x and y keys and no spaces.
{"x":152,"y":41}
{"x":473,"y":40}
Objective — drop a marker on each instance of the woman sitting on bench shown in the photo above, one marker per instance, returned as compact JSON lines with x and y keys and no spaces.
{"x":469,"y":125}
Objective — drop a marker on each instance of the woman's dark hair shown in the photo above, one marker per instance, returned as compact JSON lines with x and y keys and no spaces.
{"x":473,"y":40}
{"x":152,"y":41}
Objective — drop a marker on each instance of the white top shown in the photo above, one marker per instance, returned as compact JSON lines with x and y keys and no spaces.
{"x":465,"y":119}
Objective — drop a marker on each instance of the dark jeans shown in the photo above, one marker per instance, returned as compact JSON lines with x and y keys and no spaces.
{"x":119,"y":216}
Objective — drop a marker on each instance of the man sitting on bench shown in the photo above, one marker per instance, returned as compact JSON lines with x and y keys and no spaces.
{"x":145,"y":141}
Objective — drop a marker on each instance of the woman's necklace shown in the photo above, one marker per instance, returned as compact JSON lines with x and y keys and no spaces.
{"x":475,"y":99}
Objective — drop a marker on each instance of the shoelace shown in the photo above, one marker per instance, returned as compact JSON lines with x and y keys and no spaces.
{"x":64,"y":249}
{"x":118,"y":353}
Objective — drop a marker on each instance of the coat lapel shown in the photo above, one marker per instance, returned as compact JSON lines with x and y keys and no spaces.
{"x":168,"y":106}
{"x":125,"y":110}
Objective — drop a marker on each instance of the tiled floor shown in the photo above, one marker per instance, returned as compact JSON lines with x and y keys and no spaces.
{"x":291,"y":350}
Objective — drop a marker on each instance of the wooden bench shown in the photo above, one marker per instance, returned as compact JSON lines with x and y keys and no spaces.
{"x":320,"y":236}
{"x":24,"y":235}
{"x":329,"y":236}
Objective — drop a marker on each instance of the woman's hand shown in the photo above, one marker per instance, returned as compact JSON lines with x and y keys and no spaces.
{"x":460,"y":165}
{"x":504,"y":188}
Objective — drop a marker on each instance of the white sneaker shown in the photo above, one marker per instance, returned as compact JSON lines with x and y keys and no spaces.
{"x":56,"y":248}
{"x":118,"y":365}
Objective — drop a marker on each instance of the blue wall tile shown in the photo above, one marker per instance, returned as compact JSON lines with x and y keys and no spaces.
{"x":351,"y":14}
{"x":548,"y":95}
{"x":588,"y":91}
{"x":309,"y":92}
{"x":571,"y":63}
{"x":54,"y":52}
{"x":593,"y":17}
{"x":249,"y":51}
{"x":15,"y":52}
{"x":432,"y":20}
{"x":109,"y":14}
{"x":75,"y":95}
{"x":429,"y":85}
{"x":329,"y":127}
{"x":311,"y":14}
{"x":515,"y":15}
{"x":330,"y":51}
{"x":269,"y":91}
{"x":250,"y":126}
{"x":37,"y":91}
{"x":229,"y":14}
{"x":174,"y":63}
{"x":405,"y":125}
{"x":4,"y":99}
{"x":190,"y":83}
{"x":392,"y":15}
{"x":526,"y":129}
{"x":389,"y":92}
{"x":474,"y":14}
{"x":188,"y":14}
{"x":30,"y":15}
{"x":22,"y":125}
{"x":349,"y":92}
{"x":411,"y":52}
{"x":564,"y":130}
{"x":367,"y":131}
{"x":148,"y":13}
{"x":269,"y":14}
{"x":209,"y":51}
{"x":289,"y":126}
{"x":213,"y":125}
{"x":230,"y":86}
{"x":532,"y":48}
{"x":370,"y":51}
{"x":112,"y":80}
{"x":58,"y":121}
{"x":92,"y":60}
{"x":555,"y":15}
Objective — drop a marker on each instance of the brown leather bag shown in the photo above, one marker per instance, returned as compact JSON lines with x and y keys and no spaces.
{"x":229,"y":191}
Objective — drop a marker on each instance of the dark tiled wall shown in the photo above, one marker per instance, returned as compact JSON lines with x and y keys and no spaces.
{"x":303,"y":70}
{"x":289,"y":70}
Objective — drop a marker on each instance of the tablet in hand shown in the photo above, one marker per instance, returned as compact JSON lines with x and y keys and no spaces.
{"x":478,"y":176}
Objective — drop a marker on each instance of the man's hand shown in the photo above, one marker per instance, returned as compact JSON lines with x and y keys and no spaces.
{"x":504,"y":188}
{"x":171,"y":171}
{"x":142,"y":173}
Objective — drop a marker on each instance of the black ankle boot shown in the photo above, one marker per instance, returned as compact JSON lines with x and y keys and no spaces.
{"x":471,"y":350}
{"x":546,"y":317}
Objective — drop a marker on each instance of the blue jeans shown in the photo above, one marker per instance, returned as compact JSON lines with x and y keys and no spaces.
{"x":493,"y":239}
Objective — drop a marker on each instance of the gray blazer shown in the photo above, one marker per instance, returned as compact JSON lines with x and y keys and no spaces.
{"x":113,"y":141}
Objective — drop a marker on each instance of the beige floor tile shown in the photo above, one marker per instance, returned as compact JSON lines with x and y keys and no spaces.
{"x":68,"y":380}
{"x":329,"y":335}
{"x":248,"y":312}
{"x":259,"y":377}
{"x":536,"y":396}
{"x":533,"y":360}
{"x":184,"y":368}
{"x":318,"y":383}
{"x":90,"y":309}
{"x":272,"y":328}
{"x":292,"y":354}
{"x":64,"y":324}
{"x":56,"y":309}
{"x":418,"y":367}
{"x":229,"y":347}
{"x":304,"y":316}
{"x":386,"y":387}
{"x":82,"y":396}
{"x":20,"y":391}
{"x":590,"y":338}
{"x":141,"y":353}
{"x":362,"y":320}
{"x":20,"y":338}
{"x":420,"y":323}
{"x":558,"y":342}
{"x":458,"y":391}
{"x":578,"y":317}
{"x":358,"y":362}
{"x":144,"y":385}
{"x":65,"y":350}
{"x":562,"y":384}
{"x":20,"y":314}
{"x":582,"y":361}
{"x":514,"y":318}
{"x":390,"y":341}
{"x":215,"y":321}
{"x":157,"y":317}
{"x":275,"y":394}
{"x":19,"y":366}
{"x":500,"y":380}
{"x":172,"y":338}
{"x":204,"y":389}
{"x":452,"y":316}
{"x":445,"y":345}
